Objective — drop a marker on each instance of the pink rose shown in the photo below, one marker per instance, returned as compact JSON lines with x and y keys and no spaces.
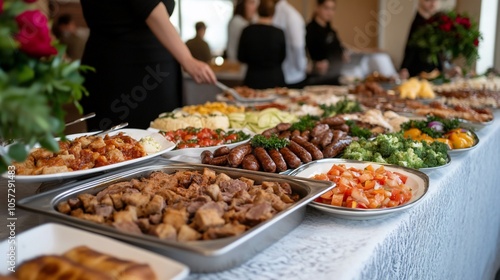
{"x":1,"y":6}
{"x":34,"y":34}
{"x":30,"y":1}
{"x":476,"y":42}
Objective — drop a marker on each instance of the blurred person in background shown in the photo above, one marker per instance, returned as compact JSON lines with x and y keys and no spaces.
{"x":198,"y":46}
{"x":69,"y":34}
{"x":136,"y":52}
{"x":414,"y":61}
{"x":262,"y":46}
{"x":291,"y":22}
{"x":324,"y":47}
{"x":245,"y":13}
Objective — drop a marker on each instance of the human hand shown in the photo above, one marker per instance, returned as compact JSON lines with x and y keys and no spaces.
{"x":200,"y":71}
{"x":321,"y":67}
{"x":404,"y":74}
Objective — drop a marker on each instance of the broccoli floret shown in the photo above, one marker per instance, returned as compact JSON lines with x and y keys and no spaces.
{"x":435,"y":157}
{"x":356,"y":152}
{"x":389,"y":144}
{"x":406,"y":158}
{"x":377,"y":157}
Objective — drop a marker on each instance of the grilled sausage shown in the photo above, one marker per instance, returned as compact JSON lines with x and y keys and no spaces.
{"x":296,"y":132}
{"x":337,"y":135}
{"x":305,"y":134}
{"x":235,"y":157}
{"x":311,"y":148}
{"x":222,"y":151}
{"x":291,"y":159}
{"x":269,"y":132}
{"x":302,"y":153}
{"x":278,"y":160}
{"x":333,"y":121}
{"x":265,"y":160}
{"x":319,"y":129}
{"x":336,"y":148}
{"x":250,"y":162}
{"x":344,"y":127}
{"x":316,"y":140}
{"x":285,"y":134}
{"x":206,"y":157}
{"x":219,"y":161}
{"x":326,"y":139}
{"x":283,"y":126}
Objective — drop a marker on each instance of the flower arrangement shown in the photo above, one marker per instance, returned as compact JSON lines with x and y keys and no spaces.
{"x":448,"y":36}
{"x":35,"y":81}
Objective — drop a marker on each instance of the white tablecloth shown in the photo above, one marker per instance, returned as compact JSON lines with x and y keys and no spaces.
{"x":454,"y":233}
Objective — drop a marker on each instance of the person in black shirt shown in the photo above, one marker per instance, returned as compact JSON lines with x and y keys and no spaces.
{"x":414,"y":61}
{"x":262,"y":47}
{"x":324,"y":46}
{"x":134,"y":49}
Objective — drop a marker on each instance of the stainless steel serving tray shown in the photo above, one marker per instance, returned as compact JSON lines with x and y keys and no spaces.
{"x":200,"y":256}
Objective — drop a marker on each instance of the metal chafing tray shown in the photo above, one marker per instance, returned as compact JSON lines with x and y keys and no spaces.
{"x":200,"y":256}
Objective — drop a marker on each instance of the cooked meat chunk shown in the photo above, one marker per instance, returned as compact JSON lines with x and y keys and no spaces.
{"x":186,"y":233}
{"x":232,"y":186}
{"x":64,"y":207}
{"x":176,"y":218}
{"x":135,"y":199}
{"x":88,"y":202}
{"x":259,"y":212}
{"x":164,"y":231}
{"x":127,"y":215}
{"x":213,"y":191}
{"x":205,"y":218}
{"x":103,"y":210}
{"x":230,"y":229}
{"x":182,"y":206}
{"x":127,"y":227}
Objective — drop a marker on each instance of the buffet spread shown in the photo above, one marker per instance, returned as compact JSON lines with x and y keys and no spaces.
{"x":212,"y":185}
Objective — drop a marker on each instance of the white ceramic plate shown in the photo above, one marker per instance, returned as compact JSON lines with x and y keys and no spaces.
{"x":191,"y":154}
{"x":137,"y":134}
{"x":56,"y":239}
{"x":418,"y":181}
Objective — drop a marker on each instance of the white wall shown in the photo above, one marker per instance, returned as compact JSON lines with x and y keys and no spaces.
{"x":487,"y":26}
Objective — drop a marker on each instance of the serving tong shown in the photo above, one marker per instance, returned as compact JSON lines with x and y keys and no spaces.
{"x":240,"y":98}
{"x":86,"y":117}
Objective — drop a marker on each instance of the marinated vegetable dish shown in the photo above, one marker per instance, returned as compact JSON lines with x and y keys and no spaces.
{"x":367,"y":188}
{"x":203,"y":137}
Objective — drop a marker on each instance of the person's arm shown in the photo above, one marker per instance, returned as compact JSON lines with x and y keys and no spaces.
{"x":159,"y":23}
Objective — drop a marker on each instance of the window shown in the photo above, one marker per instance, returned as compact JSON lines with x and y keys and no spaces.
{"x":214,"y":13}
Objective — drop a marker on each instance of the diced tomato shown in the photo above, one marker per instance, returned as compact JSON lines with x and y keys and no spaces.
{"x":231,"y":137}
{"x":204,"y":135}
{"x":365,"y":188}
{"x":337,"y":200}
{"x":403,"y":177}
{"x":189,"y":137}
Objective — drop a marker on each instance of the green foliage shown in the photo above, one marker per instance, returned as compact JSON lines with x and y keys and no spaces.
{"x":305,"y":123}
{"x":448,"y":36}
{"x":273,"y":142}
{"x":32,"y":92}
{"x":344,"y":106}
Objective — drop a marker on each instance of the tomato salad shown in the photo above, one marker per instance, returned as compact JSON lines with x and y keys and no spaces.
{"x":367,"y":188}
{"x":203,"y":137}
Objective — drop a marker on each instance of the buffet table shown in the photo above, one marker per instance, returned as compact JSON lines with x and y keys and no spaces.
{"x":453,"y":233}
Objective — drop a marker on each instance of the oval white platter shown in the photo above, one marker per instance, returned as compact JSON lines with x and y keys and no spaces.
{"x":418,"y":181}
{"x":137,"y":134}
